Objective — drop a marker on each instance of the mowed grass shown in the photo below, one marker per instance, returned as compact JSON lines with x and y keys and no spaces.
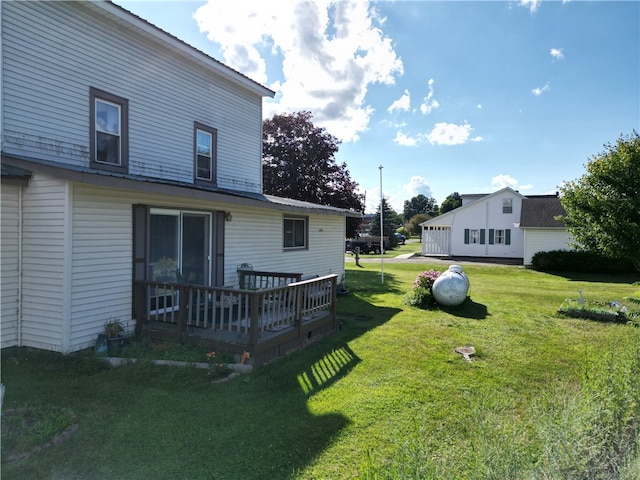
{"x":384,"y":397}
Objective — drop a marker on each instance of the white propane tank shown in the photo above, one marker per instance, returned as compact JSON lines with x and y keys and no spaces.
{"x":451,"y":288}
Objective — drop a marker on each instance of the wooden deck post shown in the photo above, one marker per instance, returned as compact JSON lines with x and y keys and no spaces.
{"x":254,"y":327}
{"x":181,"y":323}
{"x":334,"y":301}
{"x":298,"y":307}
{"x":139,"y":306}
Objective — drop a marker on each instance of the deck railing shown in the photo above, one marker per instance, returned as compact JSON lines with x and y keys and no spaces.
{"x":243,"y":311}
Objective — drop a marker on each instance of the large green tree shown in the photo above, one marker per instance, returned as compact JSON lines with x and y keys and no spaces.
{"x":298,"y":162}
{"x":391,"y":221}
{"x":603,"y":206}
{"x":419,"y":204}
{"x":414,"y":224}
{"x":452,"y":201}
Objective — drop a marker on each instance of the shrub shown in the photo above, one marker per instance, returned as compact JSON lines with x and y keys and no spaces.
{"x":579,"y":261}
{"x":421,"y":294}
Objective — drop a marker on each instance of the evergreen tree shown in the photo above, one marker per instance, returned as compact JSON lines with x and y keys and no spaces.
{"x":390,"y":223}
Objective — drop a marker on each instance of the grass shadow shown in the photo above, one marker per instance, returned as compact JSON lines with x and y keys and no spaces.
{"x":254,"y":427}
{"x":327,"y":369}
{"x":468,"y":309}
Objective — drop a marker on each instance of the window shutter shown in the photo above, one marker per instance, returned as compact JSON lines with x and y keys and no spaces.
{"x":466,"y":235}
{"x":507,"y":236}
{"x":140,"y":256}
{"x":491,"y":236}
{"x":140,"y":241}
{"x":482,"y":236}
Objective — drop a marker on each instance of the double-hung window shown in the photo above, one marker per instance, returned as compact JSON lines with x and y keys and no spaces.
{"x":205,"y":140}
{"x":109,"y":131}
{"x":507,"y":205}
{"x":476,"y":236}
{"x":295,"y":232}
{"x":500,"y":236}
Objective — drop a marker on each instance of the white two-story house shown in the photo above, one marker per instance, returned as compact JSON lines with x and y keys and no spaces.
{"x":129,"y":155}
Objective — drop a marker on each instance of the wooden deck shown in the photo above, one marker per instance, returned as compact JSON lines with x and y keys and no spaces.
{"x":266,"y":322}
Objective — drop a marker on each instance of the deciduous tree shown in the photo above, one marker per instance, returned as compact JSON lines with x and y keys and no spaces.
{"x":414,"y":223}
{"x":298,"y":162}
{"x":603,"y":206}
{"x":420,"y":204}
{"x":452,"y":201}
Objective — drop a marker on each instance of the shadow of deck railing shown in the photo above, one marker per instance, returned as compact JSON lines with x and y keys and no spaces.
{"x":251,"y":317}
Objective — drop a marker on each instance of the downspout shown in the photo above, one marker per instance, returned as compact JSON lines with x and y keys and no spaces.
{"x":19,"y":309}
{"x":66,"y":269}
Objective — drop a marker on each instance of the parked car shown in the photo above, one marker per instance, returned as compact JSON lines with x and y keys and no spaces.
{"x":401,"y":238}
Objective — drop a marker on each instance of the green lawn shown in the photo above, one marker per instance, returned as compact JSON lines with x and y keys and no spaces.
{"x":411,"y":246}
{"x":384,"y":397}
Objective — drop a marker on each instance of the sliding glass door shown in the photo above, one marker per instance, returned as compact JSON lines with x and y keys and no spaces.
{"x":180,"y":246}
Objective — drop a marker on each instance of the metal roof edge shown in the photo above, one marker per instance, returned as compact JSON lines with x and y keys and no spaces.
{"x":170,"y":187}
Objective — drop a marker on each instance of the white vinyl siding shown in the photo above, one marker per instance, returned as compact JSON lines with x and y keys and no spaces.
{"x":544,"y":240}
{"x":482,"y":215}
{"x":101,"y":259}
{"x":69,"y":52}
{"x":262,"y":246}
{"x":45,"y":225}
{"x":9,"y":232}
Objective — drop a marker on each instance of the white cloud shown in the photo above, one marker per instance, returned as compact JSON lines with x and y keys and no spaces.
{"x":532,"y":5}
{"x":429,"y":103}
{"x":527,"y":186}
{"x":329,"y":53}
{"x":405,"y":140}
{"x":557,"y":53}
{"x":479,"y":107}
{"x":540,"y":90}
{"x":502,"y":181}
{"x":416,"y":186}
{"x":403,"y":103}
{"x":451,"y":134}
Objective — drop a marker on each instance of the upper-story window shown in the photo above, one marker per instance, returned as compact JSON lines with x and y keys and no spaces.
{"x":507,"y":205}
{"x":109,"y":131}
{"x":205,"y":141}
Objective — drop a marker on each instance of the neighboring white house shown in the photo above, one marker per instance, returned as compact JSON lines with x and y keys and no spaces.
{"x":504,"y":224}
{"x":129,"y":155}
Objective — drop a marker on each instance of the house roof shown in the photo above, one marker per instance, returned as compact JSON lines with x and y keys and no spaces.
{"x":13,"y":175}
{"x":539,"y":211}
{"x":169,"y":187}
{"x":129,"y":19}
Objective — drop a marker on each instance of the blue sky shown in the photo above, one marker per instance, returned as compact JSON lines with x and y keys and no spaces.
{"x":447,"y":96}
